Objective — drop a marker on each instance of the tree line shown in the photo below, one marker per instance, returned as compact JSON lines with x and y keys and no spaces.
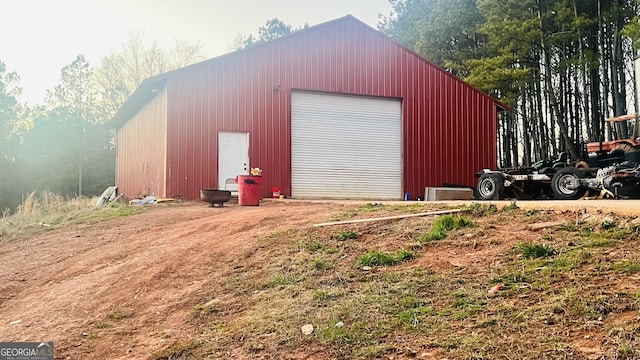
{"x":65,"y":145}
{"x":563,"y":66}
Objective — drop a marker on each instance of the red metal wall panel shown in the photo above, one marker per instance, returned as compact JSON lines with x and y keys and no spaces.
{"x":449,"y":127}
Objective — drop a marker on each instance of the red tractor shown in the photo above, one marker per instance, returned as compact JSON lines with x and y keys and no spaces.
{"x":626,"y":144}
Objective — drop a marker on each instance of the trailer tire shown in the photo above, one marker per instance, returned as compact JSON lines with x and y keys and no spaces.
{"x":490,"y":186}
{"x":560,"y":182}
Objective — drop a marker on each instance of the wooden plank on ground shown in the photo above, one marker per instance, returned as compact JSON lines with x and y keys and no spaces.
{"x":440,"y":212}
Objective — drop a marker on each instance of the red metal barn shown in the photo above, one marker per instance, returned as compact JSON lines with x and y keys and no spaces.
{"x":337,"y":110}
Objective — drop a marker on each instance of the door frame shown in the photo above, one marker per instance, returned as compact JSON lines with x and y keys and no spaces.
{"x":224,"y":185}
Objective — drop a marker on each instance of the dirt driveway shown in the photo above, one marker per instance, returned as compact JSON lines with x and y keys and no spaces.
{"x":125,"y":288}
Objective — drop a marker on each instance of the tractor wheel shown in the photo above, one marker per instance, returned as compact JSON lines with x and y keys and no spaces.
{"x":490,"y":186}
{"x":529,"y":191}
{"x":566,"y":184}
{"x":623,"y":147}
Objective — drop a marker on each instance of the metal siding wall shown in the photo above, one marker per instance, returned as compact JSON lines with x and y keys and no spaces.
{"x":141,"y":144}
{"x":449,"y":128}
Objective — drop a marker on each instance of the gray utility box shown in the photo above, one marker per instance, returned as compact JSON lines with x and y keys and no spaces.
{"x":447,"y":193}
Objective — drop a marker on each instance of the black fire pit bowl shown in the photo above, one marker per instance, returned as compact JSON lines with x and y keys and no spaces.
{"x":214,"y":197}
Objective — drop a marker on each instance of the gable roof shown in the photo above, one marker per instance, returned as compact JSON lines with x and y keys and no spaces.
{"x":147,"y":90}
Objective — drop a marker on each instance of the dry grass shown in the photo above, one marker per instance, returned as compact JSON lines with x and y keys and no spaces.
{"x":579,"y":301}
{"x":40,"y":212}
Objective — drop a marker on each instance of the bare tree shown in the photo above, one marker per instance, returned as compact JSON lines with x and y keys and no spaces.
{"x":120,"y":72}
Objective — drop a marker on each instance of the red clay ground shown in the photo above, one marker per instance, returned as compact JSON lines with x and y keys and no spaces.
{"x":125,"y":288}
{"x":140,"y":272}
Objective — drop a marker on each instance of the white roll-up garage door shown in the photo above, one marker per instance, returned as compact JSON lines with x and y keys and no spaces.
{"x":345,"y":147}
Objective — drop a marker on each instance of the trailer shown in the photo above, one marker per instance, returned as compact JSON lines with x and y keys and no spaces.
{"x":522,"y":183}
{"x":611,"y":174}
{"x":619,"y":181}
{"x":566,"y":180}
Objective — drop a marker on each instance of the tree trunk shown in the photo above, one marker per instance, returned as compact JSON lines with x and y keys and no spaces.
{"x":618,"y":81}
{"x":554,"y":105}
{"x":526,"y":132}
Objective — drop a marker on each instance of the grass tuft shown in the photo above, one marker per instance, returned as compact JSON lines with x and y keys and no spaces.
{"x":338,"y":335}
{"x":511,"y":207}
{"x":346,"y":235}
{"x":442,"y":225}
{"x":117,"y":315}
{"x":480,"y":210}
{"x":414,"y":317}
{"x":626,"y":267}
{"x":380,"y":258}
{"x":180,"y":350}
{"x":321,"y":265}
{"x":316,"y":245}
{"x":369,"y":207}
{"x":534,"y":251}
{"x":433,"y":235}
{"x":204,"y":309}
{"x":282,"y":280}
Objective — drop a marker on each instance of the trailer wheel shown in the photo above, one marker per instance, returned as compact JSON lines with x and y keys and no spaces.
{"x":490,"y":186}
{"x":566,"y":184}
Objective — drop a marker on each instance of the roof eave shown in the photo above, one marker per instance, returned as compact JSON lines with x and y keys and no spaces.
{"x":145,"y":92}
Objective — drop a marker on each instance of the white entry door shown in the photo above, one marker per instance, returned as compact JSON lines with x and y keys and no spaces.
{"x":233,"y":158}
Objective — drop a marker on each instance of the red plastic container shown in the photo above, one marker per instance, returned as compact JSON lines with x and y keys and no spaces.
{"x":248,"y":190}
{"x":275,"y":191}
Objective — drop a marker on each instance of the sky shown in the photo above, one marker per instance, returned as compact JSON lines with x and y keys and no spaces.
{"x":40,"y":37}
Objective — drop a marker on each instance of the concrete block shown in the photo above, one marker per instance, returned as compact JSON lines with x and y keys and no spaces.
{"x":447,"y":193}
